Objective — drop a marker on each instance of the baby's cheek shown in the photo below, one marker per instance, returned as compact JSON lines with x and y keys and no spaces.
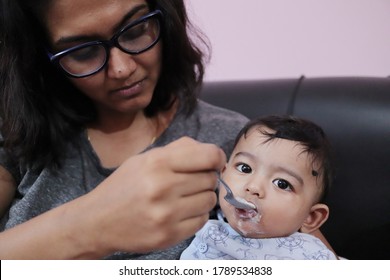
{"x":222,"y":204}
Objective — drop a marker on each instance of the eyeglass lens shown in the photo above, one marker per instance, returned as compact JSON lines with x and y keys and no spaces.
{"x":91,"y":58}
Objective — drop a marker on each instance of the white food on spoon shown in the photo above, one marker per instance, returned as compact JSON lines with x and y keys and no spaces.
{"x":250,"y":204}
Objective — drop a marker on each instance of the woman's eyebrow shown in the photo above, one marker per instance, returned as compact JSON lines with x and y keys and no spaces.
{"x":129,"y":15}
{"x":77,"y":38}
{"x":87,"y":38}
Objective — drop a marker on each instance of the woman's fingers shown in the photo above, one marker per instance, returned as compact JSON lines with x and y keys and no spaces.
{"x":181,"y":184}
{"x":182,"y":219}
{"x":189,"y":155}
{"x":187,"y":228}
{"x":183,"y":167}
{"x":196,"y":205}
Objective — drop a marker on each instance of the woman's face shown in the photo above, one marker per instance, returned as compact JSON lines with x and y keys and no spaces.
{"x":127,"y":83}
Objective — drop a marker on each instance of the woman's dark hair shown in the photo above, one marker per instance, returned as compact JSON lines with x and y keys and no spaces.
{"x":41,"y":111}
{"x":309,"y":135}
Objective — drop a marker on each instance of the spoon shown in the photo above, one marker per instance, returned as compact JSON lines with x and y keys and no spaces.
{"x":237,"y":202}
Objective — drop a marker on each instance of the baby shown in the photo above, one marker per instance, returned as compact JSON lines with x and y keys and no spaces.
{"x":281,"y":165}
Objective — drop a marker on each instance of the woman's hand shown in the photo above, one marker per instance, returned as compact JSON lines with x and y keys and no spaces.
{"x":154,"y":200}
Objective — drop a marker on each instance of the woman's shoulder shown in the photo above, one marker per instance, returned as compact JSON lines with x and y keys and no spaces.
{"x":207,"y":123}
{"x":218,"y":125}
{"x":213,"y":113}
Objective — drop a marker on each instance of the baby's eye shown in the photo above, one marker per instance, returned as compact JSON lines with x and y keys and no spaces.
{"x":282,"y":184}
{"x":244,"y":168}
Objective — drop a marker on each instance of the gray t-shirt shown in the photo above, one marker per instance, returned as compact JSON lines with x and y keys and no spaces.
{"x":82,"y":171}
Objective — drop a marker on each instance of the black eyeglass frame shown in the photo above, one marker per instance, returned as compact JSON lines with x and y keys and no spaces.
{"x":108,"y":44}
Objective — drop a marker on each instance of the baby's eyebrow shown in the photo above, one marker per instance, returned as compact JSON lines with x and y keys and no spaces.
{"x":244,"y":154}
{"x":279,"y":168}
{"x":291,"y":173}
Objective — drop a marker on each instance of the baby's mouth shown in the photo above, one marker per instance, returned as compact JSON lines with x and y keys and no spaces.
{"x":246,"y":214}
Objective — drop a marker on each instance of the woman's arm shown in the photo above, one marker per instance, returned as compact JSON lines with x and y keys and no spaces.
{"x":52,"y":235}
{"x":153,"y":201}
{"x":35,"y":238}
{"x":317,"y":233}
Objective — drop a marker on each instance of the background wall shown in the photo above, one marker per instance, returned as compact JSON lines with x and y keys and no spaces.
{"x":254,"y":39}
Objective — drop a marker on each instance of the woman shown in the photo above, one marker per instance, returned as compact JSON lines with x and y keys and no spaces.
{"x":88,"y":88}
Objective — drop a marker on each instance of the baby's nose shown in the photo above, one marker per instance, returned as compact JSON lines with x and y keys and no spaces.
{"x":256,"y":189}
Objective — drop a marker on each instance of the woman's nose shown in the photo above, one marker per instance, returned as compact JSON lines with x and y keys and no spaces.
{"x":120,"y":64}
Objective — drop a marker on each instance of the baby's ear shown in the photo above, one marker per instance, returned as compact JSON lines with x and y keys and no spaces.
{"x":318,"y":215}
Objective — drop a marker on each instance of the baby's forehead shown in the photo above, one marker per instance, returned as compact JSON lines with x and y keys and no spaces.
{"x":268,"y":135}
{"x":261,"y":128}
{"x":264,"y":135}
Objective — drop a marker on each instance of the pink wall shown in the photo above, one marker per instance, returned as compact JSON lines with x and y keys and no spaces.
{"x":254,"y":39}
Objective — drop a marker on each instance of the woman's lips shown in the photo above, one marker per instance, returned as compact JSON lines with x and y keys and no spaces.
{"x":129,"y":91}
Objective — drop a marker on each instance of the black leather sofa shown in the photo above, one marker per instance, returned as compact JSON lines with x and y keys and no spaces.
{"x":355,"y":114}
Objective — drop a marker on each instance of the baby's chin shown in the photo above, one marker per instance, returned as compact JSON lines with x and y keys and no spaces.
{"x":246,"y":222}
{"x":248,"y":230}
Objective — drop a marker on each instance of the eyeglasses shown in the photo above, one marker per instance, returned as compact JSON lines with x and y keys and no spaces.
{"x":91,"y":57}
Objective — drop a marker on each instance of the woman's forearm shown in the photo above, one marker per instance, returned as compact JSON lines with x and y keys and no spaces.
{"x":56,"y":234}
{"x":317,"y":233}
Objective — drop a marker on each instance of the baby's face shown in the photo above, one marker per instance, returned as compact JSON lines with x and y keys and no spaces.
{"x":276,"y":176}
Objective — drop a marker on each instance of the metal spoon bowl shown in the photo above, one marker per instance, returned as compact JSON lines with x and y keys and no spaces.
{"x":237,"y":202}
